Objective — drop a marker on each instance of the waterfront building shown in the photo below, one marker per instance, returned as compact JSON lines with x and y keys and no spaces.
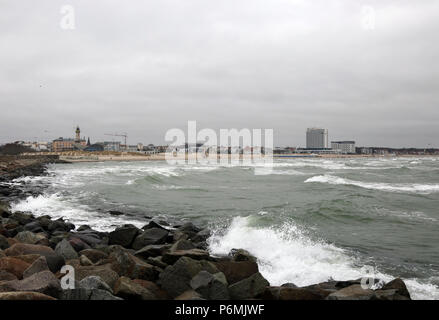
{"x":343,"y":146}
{"x":316,"y":138}
{"x":69,"y":144}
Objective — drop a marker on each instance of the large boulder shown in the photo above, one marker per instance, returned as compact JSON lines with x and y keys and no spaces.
{"x":94,"y":282}
{"x":248,"y":288}
{"x":125,"y":264}
{"x":104,"y":272}
{"x":24,"y":295}
{"x":150,"y":236}
{"x":236,"y":270}
{"x":34,"y":226}
{"x":60,"y":225}
{"x":241,"y":255}
{"x":123,"y":236}
{"x":37,"y":266}
{"x":175,"y":279}
{"x":22,"y":218}
{"x":94,"y":255}
{"x":14,"y":266}
{"x":210,"y":286}
{"x":398,"y":285}
{"x":44,"y":282}
{"x":182,"y":244}
{"x":30,"y":237}
{"x":24,"y":248}
{"x":128,"y":289}
{"x":4,"y":244}
{"x":65,"y":249}
{"x":78,"y":244}
{"x":353,"y":292}
{"x":172,"y":256}
{"x":152,"y":250}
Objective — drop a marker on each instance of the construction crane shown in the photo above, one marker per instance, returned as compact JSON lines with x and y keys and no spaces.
{"x":123,"y":134}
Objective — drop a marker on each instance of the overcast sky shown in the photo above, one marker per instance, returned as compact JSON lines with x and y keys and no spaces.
{"x":365,"y":70}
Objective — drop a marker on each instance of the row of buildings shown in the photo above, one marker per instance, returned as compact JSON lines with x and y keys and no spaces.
{"x":317,"y":141}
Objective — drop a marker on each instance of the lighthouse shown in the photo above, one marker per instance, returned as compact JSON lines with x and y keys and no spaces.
{"x":78,"y":135}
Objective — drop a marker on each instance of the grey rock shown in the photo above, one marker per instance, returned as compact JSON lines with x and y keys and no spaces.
{"x":182,"y":244}
{"x":210,"y":286}
{"x":248,"y":288}
{"x":175,"y":279}
{"x":37,"y":266}
{"x":65,"y":249}
{"x":123,"y":236}
{"x":150,"y":236}
{"x":94,"y":282}
{"x":4,"y":244}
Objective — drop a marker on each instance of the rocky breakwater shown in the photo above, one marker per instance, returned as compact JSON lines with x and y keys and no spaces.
{"x":13,"y":167}
{"x":154,"y":262}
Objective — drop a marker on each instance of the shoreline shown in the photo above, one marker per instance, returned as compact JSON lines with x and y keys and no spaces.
{"x":74,"y":157}
{"x":148,"y":263}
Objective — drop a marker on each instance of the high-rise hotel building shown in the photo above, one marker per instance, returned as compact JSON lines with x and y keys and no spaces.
{"x":316,"y":138}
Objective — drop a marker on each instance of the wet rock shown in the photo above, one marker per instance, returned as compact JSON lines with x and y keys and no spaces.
{"x":353,"y":292}
{"x":60,"y":225}
{"x":65,"y":249}
{"x":236,"y":270}
{"x":26,"y":295}
{"x":34,"y":226}
{"x":83,"y":228}
{"x":182,"y":244}
{"x":156,"y":261}
{"x":44,"y":282}
{"x":78,"y":244}
{"x":210,"y":286}
{"x":22,"y":218}
{"x":152,"y":250}
{"x":128,"y":289}
{"x":125,"y":264}
{"x":201,"y":236}
{"x":91,"y":239}
{"x":4,"y":244}
{"x":150,"y":236}
{"x":94,"y":282}
{"x":241,"y":255}
{"x":29,"y":237}
{"x":115,"y":213}
{"x":248,"y":288}
{"x":153,"y":224}
{"x":390,"y":294}
{"x":14,"y":266}
{"x":94,"y":255}
{"x":38,"y":265}
{"x":124,"y":235}
{"x":398,"y":285}
{"x":54,"y":261}
{"x":175,"y":279}
{"x":172,"y":257}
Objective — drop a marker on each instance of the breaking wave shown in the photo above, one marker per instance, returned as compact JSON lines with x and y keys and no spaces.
{"x":390,"y":187}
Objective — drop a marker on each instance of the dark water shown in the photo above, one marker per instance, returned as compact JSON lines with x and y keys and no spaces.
{"x":307,"y":221}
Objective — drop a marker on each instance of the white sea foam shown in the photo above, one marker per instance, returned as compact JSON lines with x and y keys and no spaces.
{"x":287,"y":254}
{"x":391,"y":187}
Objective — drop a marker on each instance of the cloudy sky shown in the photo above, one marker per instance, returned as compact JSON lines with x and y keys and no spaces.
{"x":365,"y":70}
